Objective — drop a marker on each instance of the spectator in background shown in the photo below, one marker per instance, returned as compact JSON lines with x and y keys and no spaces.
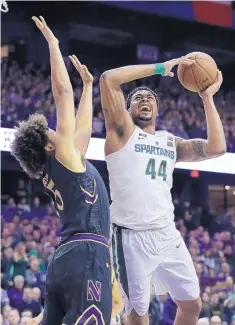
{"x":21,"y":191}
{"x":5,"y":312}
{"x":27,"y":303}
{"x":156,"y":308}
{"x":47,"y":252}
{"x":206,"y":309}
{"x":27,"y":313}
{"x":169,"y":311}
{"x":216,"y":308}
{"x":36,"y":295}
{"x":24,"y":320}
{"x":233,"y":320}
{"x":98,"y":125}
{"x":203,"y":321}
{"x":7,"y":254}
{"x":15,"y":230}
{"x":19,"y":262}
{"x":225,"y":268}
{"x":15,"y":294}
{"x":180,"y":132}
{"x":13,"y":317}
{"x":11,"y":203}
{"x":196,"y":130}
{"x":7,"y":241}
{"x":4,"y":297}
{"x":229,"y":307}
{"x":36,"y":208}
{"x":215,"y":320}
{"x":23,"y":206}
{"x":35,"y":277}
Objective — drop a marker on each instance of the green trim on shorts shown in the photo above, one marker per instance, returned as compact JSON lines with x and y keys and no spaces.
{"x":119,"y":263}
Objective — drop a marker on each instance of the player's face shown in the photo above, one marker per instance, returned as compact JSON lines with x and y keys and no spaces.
{"x":143,"y":108}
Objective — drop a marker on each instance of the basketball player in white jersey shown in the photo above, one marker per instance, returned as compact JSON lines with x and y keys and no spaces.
{"x":146,"y":245}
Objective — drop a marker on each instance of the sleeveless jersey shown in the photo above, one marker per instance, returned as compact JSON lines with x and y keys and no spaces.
{"x":81,"y":199}
{"x":140,"y":176}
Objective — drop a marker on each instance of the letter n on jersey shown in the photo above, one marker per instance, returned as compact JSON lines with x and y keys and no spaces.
{"x":93,"y":290}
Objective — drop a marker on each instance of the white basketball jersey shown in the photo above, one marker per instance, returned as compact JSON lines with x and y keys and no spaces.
{"x":140,"y":176}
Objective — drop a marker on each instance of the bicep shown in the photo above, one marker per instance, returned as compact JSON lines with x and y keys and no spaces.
{"x":113,"y":103}
{"x":192,"y":150}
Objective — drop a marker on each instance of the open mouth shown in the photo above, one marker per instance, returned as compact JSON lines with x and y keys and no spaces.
{"x":145,"y":108}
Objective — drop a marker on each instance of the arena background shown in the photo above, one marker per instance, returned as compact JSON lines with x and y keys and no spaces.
{"x":107,"y":35}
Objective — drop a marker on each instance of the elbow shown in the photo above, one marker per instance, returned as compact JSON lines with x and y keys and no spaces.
{"x":61,"y":90}
{"x":106,"y":78}
{"x":220,"y":151}
{"x":223,"y":150}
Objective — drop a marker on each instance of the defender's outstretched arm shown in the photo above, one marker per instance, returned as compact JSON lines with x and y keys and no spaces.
{"x":65,"y":150}
{"x":61,"y":85}
{"x":83,"y":127}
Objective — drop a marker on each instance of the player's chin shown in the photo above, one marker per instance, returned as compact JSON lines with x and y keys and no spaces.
{"x":145,"y":118}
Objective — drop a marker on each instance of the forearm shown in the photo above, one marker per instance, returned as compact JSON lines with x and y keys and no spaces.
{"x":216,"y":143}
{"x":85,"y":110}
{"x":200,"y":149}
{"x":59,"y":76}
{"x":129,"y":73}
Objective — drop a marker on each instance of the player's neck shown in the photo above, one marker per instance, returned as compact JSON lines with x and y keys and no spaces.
{"x":149,"y":129}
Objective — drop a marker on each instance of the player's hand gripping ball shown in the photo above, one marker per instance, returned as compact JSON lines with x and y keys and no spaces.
{"x":200,"y":75}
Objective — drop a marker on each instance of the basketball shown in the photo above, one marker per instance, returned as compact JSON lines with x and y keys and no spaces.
{"x":200,"y":75}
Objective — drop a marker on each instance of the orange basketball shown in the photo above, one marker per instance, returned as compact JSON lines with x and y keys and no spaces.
{"x":200,"y":75}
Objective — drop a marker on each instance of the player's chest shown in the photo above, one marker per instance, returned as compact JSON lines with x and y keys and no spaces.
{"x":157,"y":147}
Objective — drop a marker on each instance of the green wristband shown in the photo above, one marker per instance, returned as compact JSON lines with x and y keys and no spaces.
{"x":159,"y":68}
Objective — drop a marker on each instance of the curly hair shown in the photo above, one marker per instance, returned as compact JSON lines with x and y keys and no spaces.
{"x":28,"y":146}
{"x":134,"y":91}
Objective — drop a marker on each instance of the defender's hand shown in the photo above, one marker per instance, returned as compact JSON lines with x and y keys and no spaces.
{"x":169,"y":65}
{"x":213,"y":88}
{"x":82,"y":69}
{"x":47,"y":33}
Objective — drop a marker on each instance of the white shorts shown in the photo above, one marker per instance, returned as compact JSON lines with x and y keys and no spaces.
{"x":158,"y":257}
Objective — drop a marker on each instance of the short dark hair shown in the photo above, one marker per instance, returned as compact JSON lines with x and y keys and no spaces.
{"x":28,"y":146}
{"x":134,"y":91}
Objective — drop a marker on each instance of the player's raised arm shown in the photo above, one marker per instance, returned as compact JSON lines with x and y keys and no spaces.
{"x":215,"y":145}
{"x":83,"y":127}
{"x":61,"y":85}
{"x":63,"y":95}
{"x":119,"y":125}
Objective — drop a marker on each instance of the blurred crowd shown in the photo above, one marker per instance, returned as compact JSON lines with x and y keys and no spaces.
{"x":30,"y":234}
{"x":27,"y":89}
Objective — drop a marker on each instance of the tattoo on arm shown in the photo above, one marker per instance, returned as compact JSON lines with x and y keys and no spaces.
{"x":197,"y":148}
{"x":192,"y":150}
